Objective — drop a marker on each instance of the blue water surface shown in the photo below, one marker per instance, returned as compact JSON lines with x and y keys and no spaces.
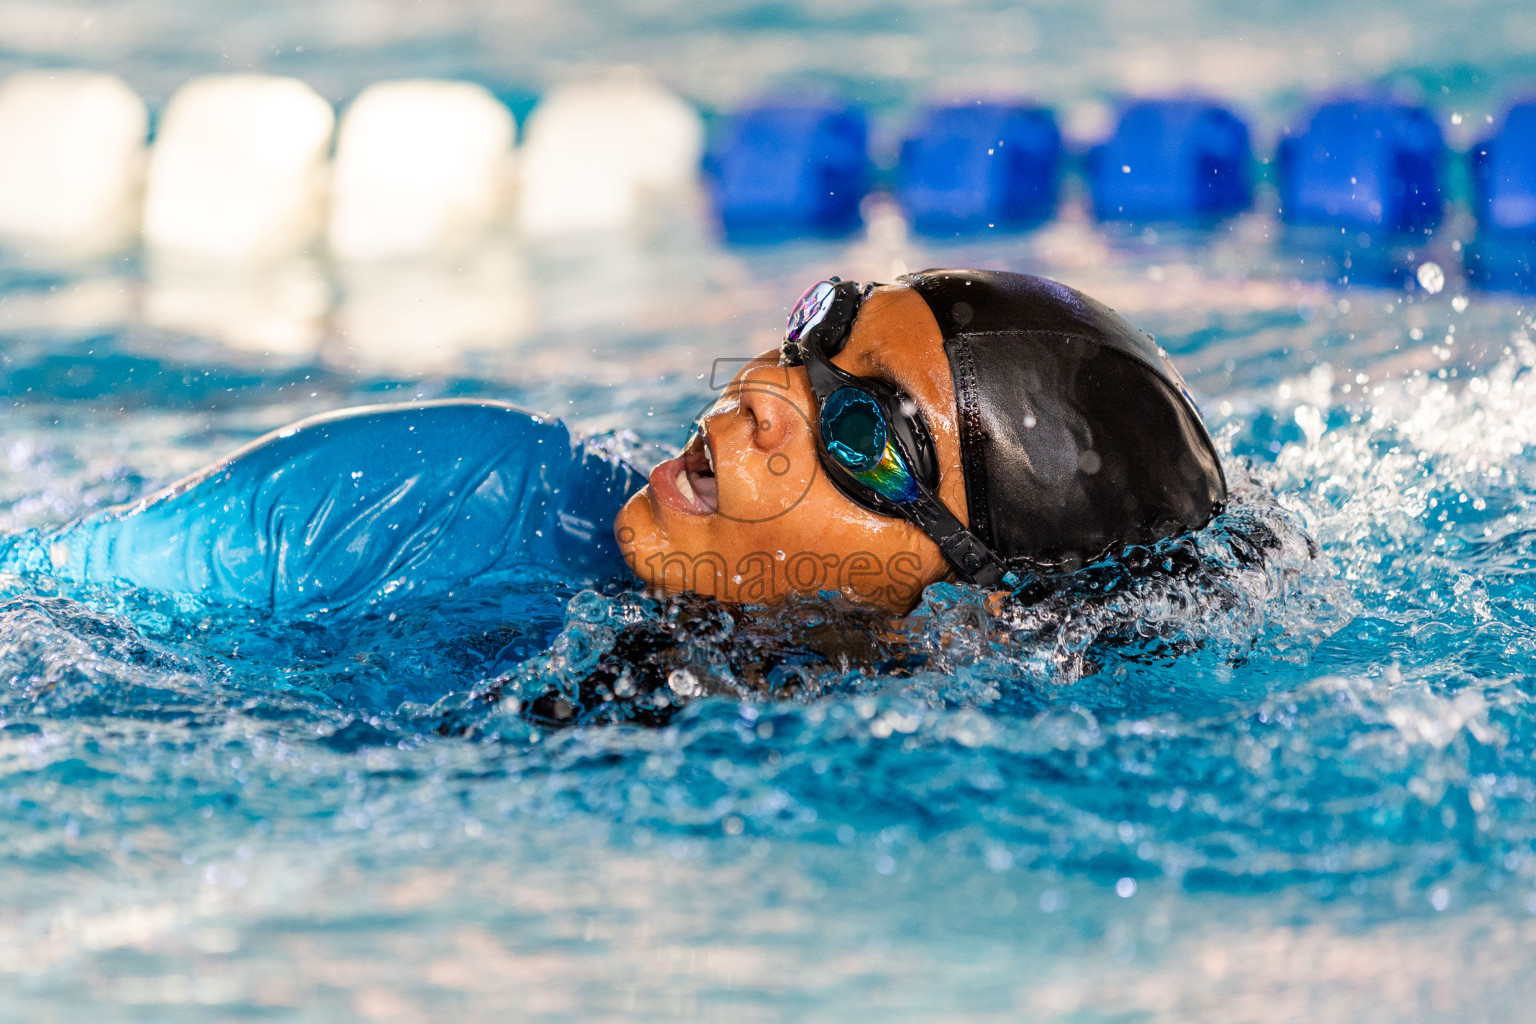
{"x":1298,"y":788}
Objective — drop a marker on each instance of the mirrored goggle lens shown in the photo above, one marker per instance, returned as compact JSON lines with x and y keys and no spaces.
{"x":853,"y":428}
{"x":810,"y":310}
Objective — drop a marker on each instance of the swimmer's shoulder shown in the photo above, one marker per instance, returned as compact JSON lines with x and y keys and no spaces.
{"x":437,"y":428}
{"x":443,"y":413}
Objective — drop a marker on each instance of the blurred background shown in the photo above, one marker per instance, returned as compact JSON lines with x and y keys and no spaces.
{"x":412,"y":190}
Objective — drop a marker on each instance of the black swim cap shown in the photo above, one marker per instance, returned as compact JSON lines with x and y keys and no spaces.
{"x":1076,"y":433}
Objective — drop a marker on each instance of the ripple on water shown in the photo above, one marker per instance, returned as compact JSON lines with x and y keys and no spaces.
{"x":1325,"y":693}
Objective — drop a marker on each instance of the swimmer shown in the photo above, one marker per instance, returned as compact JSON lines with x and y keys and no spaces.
{"x":956,"y":425}
{"x":973,"y":426}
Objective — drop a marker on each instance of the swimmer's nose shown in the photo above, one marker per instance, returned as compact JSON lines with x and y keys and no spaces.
{"x":778,"y":472}
{"x":772,"y":416}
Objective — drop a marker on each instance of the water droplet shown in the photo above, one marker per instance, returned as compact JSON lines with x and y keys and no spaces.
{"x":1431,"y":277}
{"x":684,"y":683}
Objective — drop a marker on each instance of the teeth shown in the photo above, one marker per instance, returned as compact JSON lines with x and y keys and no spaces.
{"x":709,"y":457}
{"x":685,"y":486}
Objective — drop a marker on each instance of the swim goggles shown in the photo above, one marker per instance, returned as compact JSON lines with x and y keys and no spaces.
{"x":872,"y":439}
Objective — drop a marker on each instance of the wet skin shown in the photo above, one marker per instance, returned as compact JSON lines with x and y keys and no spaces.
{"x":745,"y":513}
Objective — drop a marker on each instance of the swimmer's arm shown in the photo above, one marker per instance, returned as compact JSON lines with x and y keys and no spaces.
{"x":333,"y":511}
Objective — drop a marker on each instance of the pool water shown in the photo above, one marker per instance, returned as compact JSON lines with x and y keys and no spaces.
{"x":1300,"y":787}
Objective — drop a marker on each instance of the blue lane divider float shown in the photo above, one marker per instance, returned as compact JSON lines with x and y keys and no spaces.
{"x":1504,"y":178}
{"x":786,"y":169}
{"x":790,"y":170}
{"x":1186,"y":159}
{"x":1504,"y":173}
{"x":979,"y":166}
{"x":1363,"y":164}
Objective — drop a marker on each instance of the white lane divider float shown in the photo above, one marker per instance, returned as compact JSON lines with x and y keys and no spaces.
{"x":422,"y":168}
{"x":71,"y":161}
{"x":422,"y":179}
{"x":234,"y":199}
{"x":597,"y":154}
{"x":238,"y":169}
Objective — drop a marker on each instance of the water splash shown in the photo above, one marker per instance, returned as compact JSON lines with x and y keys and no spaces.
{"x":1324,"y":696}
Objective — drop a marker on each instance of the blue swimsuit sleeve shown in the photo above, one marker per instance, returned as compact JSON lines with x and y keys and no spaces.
{"x":340,"y":511}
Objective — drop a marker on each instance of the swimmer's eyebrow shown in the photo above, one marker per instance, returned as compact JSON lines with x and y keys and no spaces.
{"x":880,"y":368}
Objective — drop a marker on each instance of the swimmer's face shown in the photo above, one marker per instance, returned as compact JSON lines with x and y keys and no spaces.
{"x":746,"y":513}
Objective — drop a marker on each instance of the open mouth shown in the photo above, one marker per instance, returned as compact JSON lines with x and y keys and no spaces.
{"x":687,"y":483}
{"x":696,"y":479}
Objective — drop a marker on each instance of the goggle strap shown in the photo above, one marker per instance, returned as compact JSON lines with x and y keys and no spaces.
{"x":972,"y":559}
{"x":826,"y":377}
